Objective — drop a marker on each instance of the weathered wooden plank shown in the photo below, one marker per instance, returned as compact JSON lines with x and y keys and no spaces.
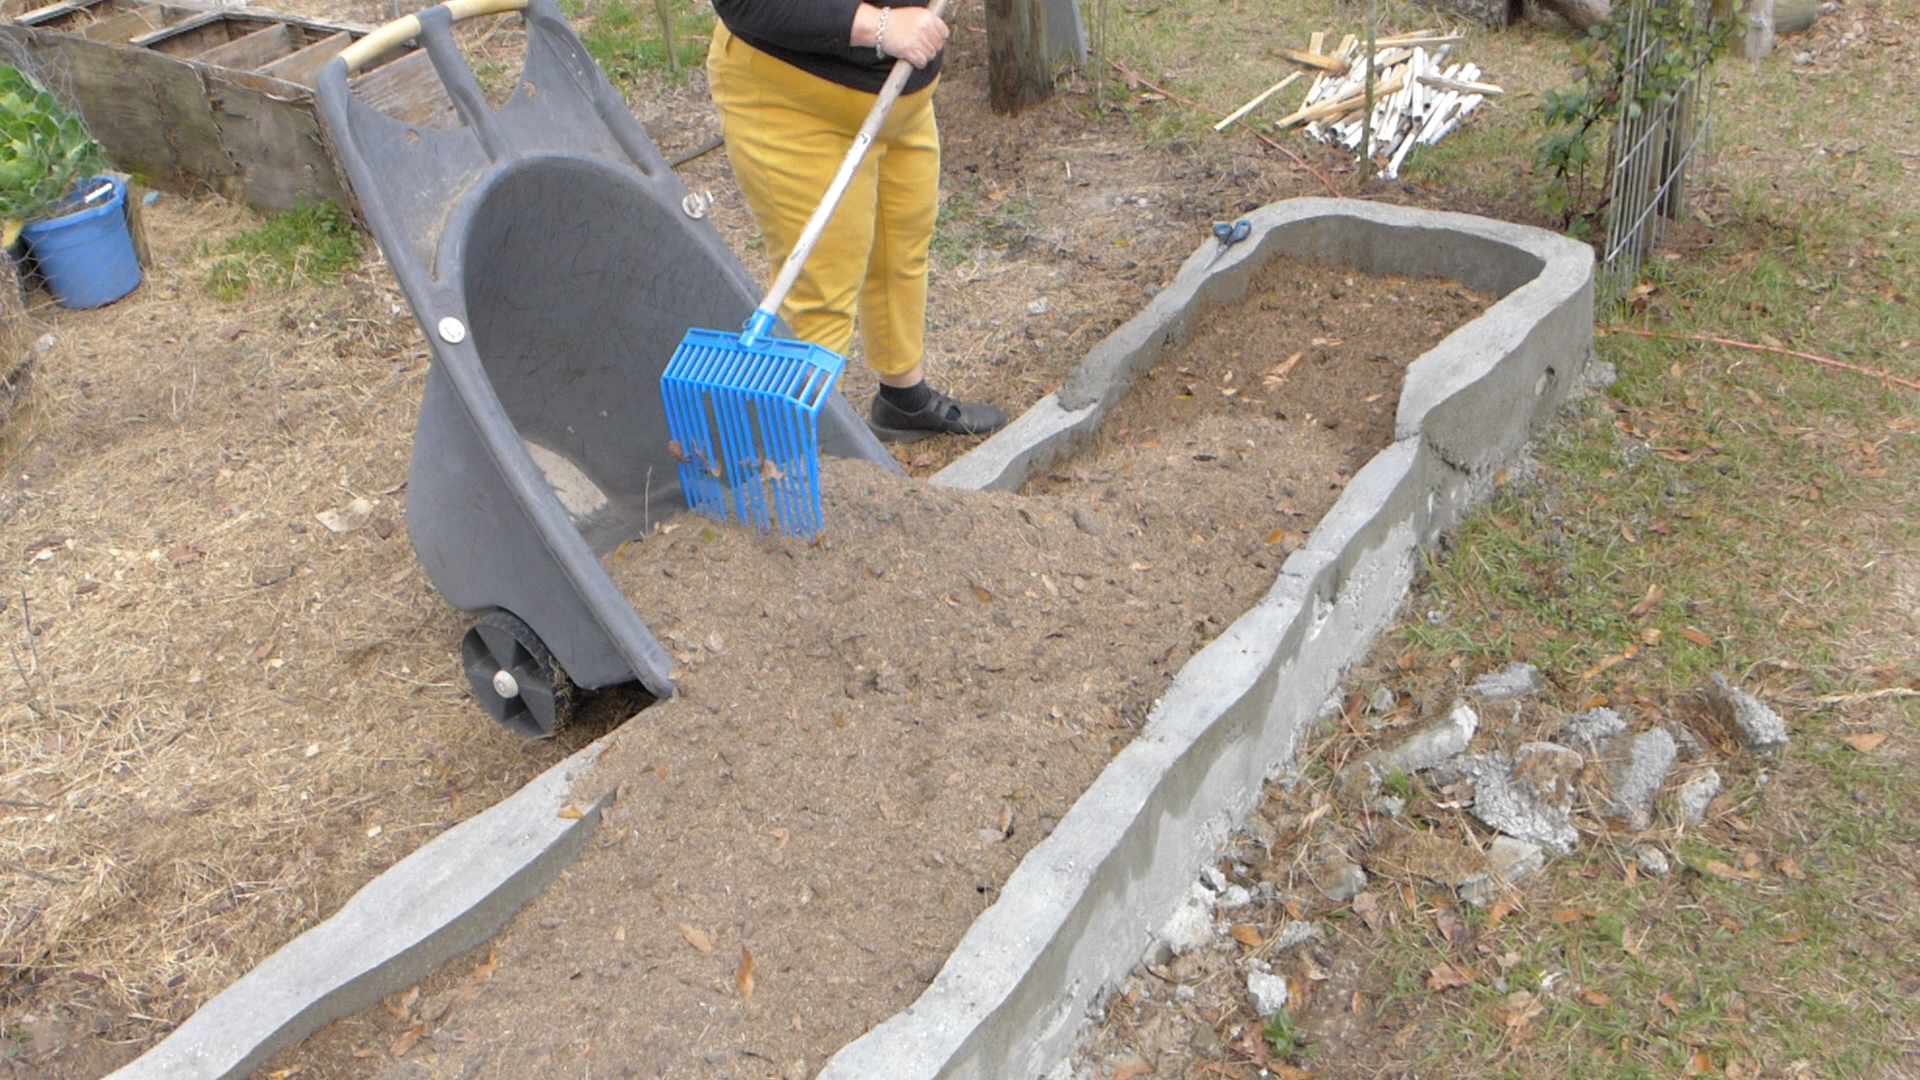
{"x":252,"y":50}
{"x":304,"y":66}
{"x":191,"y":37}
{"x":125,"y":25}
{"x":283,"y":160}
{"x":408,"y":89}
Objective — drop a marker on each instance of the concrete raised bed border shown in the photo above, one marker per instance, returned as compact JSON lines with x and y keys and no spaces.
{"x":1076,"y":914}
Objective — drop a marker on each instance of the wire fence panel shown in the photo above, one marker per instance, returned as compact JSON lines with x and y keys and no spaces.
{"x":1654,"y":141}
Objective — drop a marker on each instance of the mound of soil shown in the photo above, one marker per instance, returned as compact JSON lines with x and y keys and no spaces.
{"x":873,"y":728}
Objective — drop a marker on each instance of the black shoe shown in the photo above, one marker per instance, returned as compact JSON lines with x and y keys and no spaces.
{"x":940,"y":416}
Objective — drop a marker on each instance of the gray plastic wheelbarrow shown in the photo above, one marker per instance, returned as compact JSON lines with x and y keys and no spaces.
{"x":547,"y":251}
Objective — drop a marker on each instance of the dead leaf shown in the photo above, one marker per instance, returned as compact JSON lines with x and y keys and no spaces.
{"x":1499,"y":911}
{"x":345,"y":519}
{"x":1132,"y":1070}
{"x":1245,"y":935}
{"x":1698,"y":1063}
{"x":485,"y":971}
{"x":1647,"y":603}
{"x":1605,"y":663}
{"x":1729,"y":873}
{"x":1517,"y":1011}
{"x":1665,"y":1000}
{"x":1288,"y":1072}
{"x":402,"y":1045}
{"x":1367,"y":906}
{"x":1790,"y":868}
{"x":780,"y":838}
{"x":696,"y":937}
{"x":1568,"y":915}
{"x":980,"y":592}
{"x":182,"y":554}
{"x":1867,"y":741}
{"x":1651,"y":636}
{"x":1697,"y":637}
{"x":1594,"y":998}
{"x":571,"y":813}
{"x":400,"y":1006}
{"x":1792,"y":937}
{"x":743,"y":975}
{"x":1448,"y":977}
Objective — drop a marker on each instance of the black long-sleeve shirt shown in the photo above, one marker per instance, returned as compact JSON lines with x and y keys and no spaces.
{"x":812,"y":36}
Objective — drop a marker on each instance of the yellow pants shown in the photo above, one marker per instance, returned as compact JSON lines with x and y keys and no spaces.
{"x":787,"y":132}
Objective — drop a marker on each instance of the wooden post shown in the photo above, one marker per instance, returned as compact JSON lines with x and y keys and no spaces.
{"x":664,"y":10}
{"x":1757,"y":42}
{"x":1027,"y":40}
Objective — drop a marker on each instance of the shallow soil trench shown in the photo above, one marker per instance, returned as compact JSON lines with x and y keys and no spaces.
{"x":874,"y":728}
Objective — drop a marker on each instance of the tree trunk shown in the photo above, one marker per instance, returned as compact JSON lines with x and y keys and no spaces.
{"x":1581,"y":14}
{"x":1026,"y":40}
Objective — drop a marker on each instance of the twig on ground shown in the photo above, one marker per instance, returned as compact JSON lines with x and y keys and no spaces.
{"x":1885,"y":376}
{"x":1257,"y":133}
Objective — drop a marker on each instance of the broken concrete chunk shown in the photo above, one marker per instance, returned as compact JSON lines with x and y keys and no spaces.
{"x":1594,"y":729}
{"x":1516,"y":680}
{"x":1653,"y":862}
{"x":1508,"y":861}
{"x":1430,"y":746}
{"x":1696,"y":795}
{"x":1528,"y":797}
{"x":1266,"y":993}
{"x":1683,"y":737}
{"x":1382,"y":702}
{"x":1337,"y":878}
{"x":1760,"y":727}
{"x":1189,"y":927}
{"x":1638,"y":779}
{"x":1294,"y":933}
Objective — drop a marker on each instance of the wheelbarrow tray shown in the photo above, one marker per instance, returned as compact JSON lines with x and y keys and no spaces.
{"x":546,"y":249}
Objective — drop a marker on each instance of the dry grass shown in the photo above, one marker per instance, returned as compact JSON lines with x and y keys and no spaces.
{"x":219,"y":718}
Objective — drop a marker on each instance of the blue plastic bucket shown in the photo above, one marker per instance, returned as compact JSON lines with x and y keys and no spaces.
{"x":86,"y":255}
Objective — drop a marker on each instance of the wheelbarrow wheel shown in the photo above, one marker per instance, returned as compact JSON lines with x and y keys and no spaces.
{"x":515,"y":677}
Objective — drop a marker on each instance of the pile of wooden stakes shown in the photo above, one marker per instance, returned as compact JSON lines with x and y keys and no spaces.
{"x":1417,"y":97}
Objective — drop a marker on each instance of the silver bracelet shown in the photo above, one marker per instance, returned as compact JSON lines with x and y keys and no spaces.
{"x":880,"y":34}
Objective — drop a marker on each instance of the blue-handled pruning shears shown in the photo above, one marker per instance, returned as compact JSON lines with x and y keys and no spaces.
{"x":1229,"y":234}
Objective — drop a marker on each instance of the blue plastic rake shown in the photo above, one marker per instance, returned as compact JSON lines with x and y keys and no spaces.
{"x":761,"y":394}
{"x":746,"y":427}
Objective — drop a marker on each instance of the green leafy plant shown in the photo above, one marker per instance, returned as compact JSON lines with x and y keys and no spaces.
{"x":44,"y":151}
{"x":313,"y":244}
{"x":1284,"y":1038}
{"x":1680,"y":39}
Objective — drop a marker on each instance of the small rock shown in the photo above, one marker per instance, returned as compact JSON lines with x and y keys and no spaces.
{"x":1599,"y":375}
{"x":1653,"y":862}
{"x":1508,"y":861}
{"x":1191,"y":924}
{"x":1039,"y":307}
{"x":1338,"y":879}
{"x":1594,"y":729}
{"x":1391,"y":806}
{"x":1382,"y":702}
{"x":1233,"y":897}
{"x":1638,"y":779}
{"x":1516,"y":680}
{"x":1205,"y":1041}
{"x":1528,"y":797}
{"x":1685,"y":740}
{"x":44,"y":344}
{"x":1266,"y":993}
{"x":1430,"y":746}
{"x":1088,"y":522}
{"x":1802,"y":59}
{"x":1760,"y":727}
{"x":1695,"y":795}
{"x":1213,"y":878}
{"x":1296,"y":932}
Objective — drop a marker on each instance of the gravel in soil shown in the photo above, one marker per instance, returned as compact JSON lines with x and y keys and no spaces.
{"x":873,"y":728}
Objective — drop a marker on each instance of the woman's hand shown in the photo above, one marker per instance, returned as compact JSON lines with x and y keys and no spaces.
{"x":913,"y":34}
